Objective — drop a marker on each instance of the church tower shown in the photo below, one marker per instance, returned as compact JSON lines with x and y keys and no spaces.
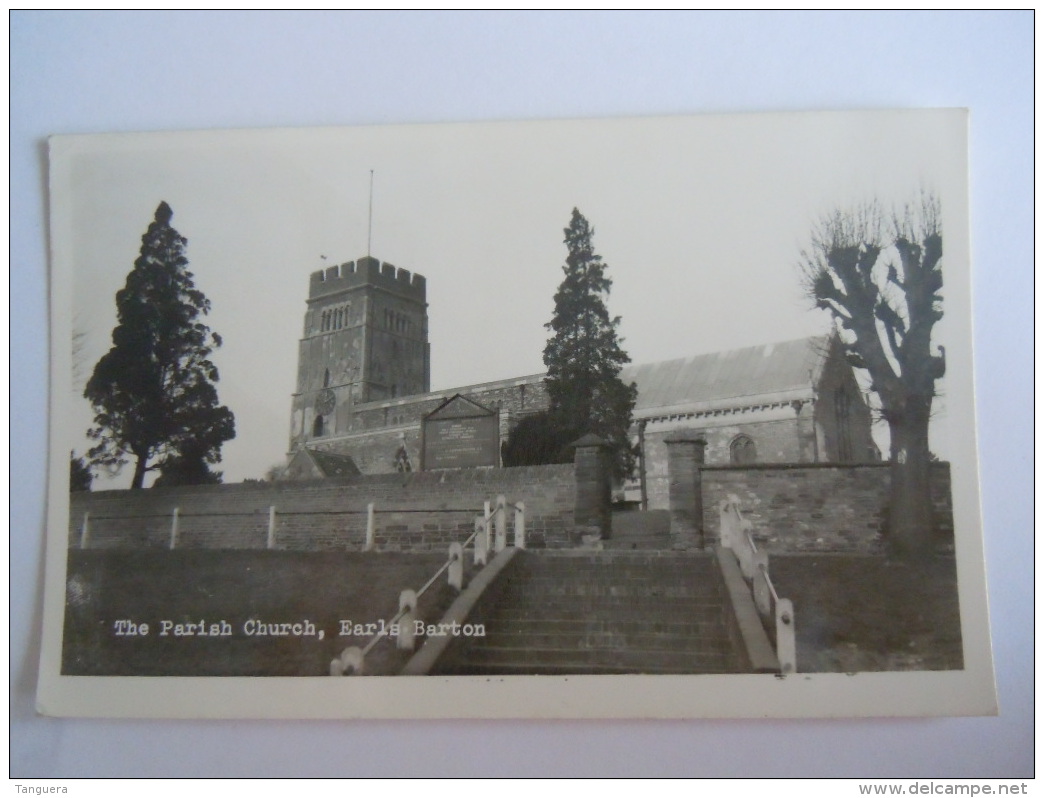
{"x":365,"y":339}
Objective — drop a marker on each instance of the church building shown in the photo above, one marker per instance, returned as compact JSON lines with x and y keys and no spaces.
{"x":364,"y":399}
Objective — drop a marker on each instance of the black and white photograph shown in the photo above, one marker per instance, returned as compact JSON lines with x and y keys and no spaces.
{"x":636,"y":417}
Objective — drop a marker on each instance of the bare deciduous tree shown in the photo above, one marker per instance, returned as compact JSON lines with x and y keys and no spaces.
{"x":881,"y":280}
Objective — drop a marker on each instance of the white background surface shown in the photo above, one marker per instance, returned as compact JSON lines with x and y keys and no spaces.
{"x":82,"y":73}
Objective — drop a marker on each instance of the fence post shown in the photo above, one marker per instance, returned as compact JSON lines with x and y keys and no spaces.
{"x":370,"y":529}
{"x":786,"y":636}
{"x":456,"y":566}
{"x":520,"y":525}
{"x":407,"y":615}
{"x":500,"y":522}
{"x":84,"y":530}
{"x":271,"y":527}
{"x":480,"y":541}
{"x":174,"y":529}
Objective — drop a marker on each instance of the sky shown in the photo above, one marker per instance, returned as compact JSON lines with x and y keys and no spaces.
{"x":700,"y":220}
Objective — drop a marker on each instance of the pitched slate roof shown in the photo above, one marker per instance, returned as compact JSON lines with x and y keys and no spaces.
{"x":334,"y":465}
{"x":775,"y":372}
{"x":459,"y":406}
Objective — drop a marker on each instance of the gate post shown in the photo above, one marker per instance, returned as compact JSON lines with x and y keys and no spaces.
{"x":593,"y":488}
{"x":685,"y":455}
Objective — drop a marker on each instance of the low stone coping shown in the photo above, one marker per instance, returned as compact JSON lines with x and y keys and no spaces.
{"x":424,"y":660}
{"x":758,"y":649}
{"x":840,"y":466}
{"x":619,"y":554}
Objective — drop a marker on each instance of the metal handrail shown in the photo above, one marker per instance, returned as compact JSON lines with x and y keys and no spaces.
{"x":781,"y":609}
{"x":761,"y":567}
{"x":376,"y":638}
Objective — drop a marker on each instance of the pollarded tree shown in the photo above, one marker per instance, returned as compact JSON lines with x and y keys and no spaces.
{"x":584,"y":356}
{"x":881,"y":282}
{"x":153,"y":393}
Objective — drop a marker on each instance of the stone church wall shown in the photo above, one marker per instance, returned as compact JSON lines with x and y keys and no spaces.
{"x":414,"y":512}
{"x":379,"y":428}
{"x":779,"y":436}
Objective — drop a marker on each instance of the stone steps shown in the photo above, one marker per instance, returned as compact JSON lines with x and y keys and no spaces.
{"x":535,"y":660}
{"x":604,"y":612}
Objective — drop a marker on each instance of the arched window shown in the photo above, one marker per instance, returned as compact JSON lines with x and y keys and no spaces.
{"x":742,"y":450}
{"x":317,"y":427}
{"x":326,"y":378}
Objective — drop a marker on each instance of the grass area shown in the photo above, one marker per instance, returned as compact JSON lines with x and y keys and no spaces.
{"x":189,"y":586}
{"x":863,"y":613}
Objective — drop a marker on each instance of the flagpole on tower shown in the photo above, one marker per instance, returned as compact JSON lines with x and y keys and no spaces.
{"x":369,"y":226}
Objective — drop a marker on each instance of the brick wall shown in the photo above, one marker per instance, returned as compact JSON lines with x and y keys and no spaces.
{"x":838,"y":508}
{"x":415,"y":512}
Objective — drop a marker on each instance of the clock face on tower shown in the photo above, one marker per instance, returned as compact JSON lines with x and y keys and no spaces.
{"x":325,"y":402}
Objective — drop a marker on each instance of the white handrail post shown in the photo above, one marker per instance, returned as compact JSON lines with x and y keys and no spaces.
{"x":270,"y":543}
{"x":487,"y":515}
{"x":456,"y":566}
{"x":370,"y":528}
{"x":84,"y":530}
{"x":350,"y":661}
{"x":746,"y":547}
{"x":786,"y":636}
{"x":407,"y":615}
{"x":174,"y":529}
{"x":500,"y":540}
{"x":480,"y":541}
{"x":520,"y":525}
{"x":727,"y":515}
{"x":762,"y":599}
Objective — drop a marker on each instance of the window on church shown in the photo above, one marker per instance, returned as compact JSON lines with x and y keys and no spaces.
{"x":742,"y":450}
{"x":317,"y":427}
{"x":326,"y":378}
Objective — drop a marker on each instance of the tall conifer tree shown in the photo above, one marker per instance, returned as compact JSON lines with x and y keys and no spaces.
{"x":584,"y":356}
{"x":153,"y":392}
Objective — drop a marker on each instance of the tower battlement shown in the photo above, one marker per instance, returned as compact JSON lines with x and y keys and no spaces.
{"x":366,"y":271}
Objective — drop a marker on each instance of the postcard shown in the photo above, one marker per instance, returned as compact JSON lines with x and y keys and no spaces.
{"x":645,"y":417}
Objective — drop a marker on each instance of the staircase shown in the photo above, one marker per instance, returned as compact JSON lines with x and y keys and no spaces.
{"x":635,"y":530}
{"x":611,"y":612}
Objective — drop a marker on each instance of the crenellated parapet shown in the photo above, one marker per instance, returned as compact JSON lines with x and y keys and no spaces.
{"x":366,"y":271}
